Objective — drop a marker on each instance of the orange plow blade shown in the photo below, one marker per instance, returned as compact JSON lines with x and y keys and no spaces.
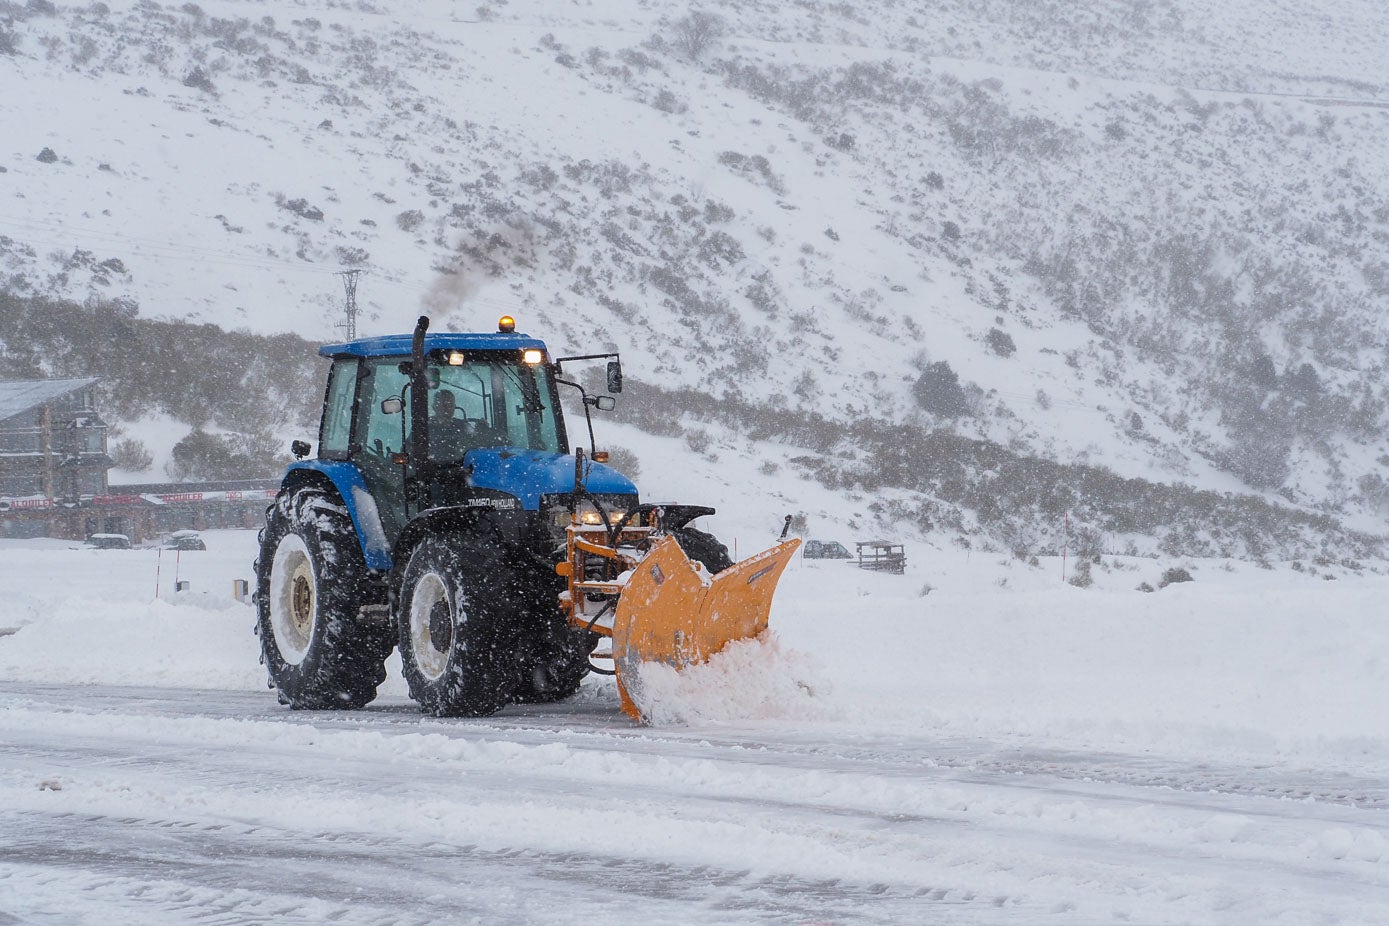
{"x":675,"y":613}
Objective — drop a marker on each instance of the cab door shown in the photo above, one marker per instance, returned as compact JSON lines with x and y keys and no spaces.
{"x":379,"y":436}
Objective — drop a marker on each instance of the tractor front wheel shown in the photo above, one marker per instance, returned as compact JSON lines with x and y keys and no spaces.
{"x":558,"y":666}
{"x":453,"y":610}
{"x":310,"y":587}
{"x":703,"y":548}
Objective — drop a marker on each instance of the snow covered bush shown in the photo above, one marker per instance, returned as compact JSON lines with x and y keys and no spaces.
{"x":1000,"y":342}
{"x":1173,"y":576}
{"x":198,"y":80}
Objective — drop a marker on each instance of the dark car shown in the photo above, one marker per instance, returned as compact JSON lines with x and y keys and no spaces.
{"x":825,"y":549}
{"x":184,"y":540}
{"x":108,"y":542}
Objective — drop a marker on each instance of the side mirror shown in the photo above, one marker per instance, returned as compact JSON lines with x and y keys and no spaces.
{"x":604,"y":403}
{"x":614,"y":376}
{"x":392,"y":406}
{"x":300,"y":449}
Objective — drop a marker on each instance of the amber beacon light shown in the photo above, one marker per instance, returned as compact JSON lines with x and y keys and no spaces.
{"x":506,"y":324}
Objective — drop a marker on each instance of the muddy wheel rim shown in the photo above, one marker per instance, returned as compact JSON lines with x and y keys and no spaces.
{"x":293,"y":599}
{"x":431,"y":626}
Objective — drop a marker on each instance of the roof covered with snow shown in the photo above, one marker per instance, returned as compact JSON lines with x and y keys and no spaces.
{"x":18,"y":396}
{"x":398,"y":345}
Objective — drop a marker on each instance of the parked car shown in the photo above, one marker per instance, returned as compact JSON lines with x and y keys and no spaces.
{"x":108,"y":542}
{"x":825,"y":549}
{"x":184,"y":540}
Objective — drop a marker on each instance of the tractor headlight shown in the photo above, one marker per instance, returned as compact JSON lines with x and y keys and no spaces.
{"x":614,"y":507}
{"x":590,"y":516}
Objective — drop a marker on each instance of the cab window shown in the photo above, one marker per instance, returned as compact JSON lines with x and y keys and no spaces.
{"x":377,"y":431}
{"x":337,"y":412}
{"x":498,"y":401}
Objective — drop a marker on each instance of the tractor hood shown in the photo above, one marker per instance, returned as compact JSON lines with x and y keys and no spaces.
{"x":530,"y":474}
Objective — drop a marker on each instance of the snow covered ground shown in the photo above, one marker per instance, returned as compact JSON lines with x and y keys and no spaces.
{"x":973,"y":742}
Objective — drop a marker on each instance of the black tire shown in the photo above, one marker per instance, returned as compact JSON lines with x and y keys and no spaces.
{"x":553,"y":657}
{"x":560,"y":659}
{"x":703,"y":548}
{"x":555,"y":668}
{"x":456,"y":613}
{"x":311,"y":582}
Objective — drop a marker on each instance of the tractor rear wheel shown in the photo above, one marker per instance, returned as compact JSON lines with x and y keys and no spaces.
{"x":310,"y":587}
{"x":456,"y":613}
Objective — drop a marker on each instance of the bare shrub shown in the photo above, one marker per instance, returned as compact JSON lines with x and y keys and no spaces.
{"x":198,"y":80}
{"x":696,"y":33}
{"x":625,"y":462}
{"x":668,"y":102}
{"x":132,"y":455}
{"x":299,"y":207}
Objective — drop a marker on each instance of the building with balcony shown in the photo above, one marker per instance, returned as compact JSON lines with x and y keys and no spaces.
{"x":52,"y":457}
{"x":52,"y":441}
{"x":54,"y":475}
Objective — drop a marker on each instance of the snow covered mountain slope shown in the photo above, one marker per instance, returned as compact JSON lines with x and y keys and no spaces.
{"x":1147,"y":235}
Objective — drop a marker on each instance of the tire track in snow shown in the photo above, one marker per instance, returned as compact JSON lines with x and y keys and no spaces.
{"x":224,"y":873}
{"x":532,"y":800}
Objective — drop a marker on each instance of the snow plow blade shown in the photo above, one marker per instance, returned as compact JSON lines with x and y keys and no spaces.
{"x":673,"y":612}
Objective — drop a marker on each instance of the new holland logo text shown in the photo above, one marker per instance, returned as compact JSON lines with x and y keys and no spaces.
{"x":491,"y":503}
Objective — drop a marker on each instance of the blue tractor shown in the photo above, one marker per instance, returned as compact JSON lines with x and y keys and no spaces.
{"x":445,"y":514}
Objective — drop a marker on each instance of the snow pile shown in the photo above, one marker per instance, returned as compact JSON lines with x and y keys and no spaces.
{"x":179,"y":642}
{"x":91,"y":616}
{"x":1359,"y":844}
{"x":748,"y":680}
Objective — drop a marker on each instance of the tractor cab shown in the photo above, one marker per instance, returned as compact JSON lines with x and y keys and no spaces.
{"x":452,"y":419}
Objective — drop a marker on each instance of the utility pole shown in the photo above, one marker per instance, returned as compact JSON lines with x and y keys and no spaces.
{"x":349,"y":285}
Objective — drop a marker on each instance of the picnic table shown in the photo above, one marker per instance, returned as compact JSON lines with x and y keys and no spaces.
{"x":882,"y":556}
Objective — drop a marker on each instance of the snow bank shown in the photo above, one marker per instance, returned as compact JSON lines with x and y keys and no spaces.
{"x":91,"y":616}
{"x":1241,"y":660}
{"x":182,"y":641}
